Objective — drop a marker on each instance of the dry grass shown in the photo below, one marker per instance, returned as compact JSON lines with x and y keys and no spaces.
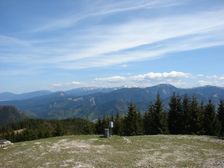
{"x":93,"y":151}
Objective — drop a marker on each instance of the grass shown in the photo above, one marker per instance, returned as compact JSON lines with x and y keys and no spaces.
{"x":93,"y":151}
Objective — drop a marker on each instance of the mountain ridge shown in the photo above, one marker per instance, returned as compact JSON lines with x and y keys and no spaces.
{"x":61,"y":105}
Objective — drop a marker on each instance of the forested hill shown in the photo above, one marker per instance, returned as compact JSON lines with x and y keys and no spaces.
{"x":9,"y":114}
{"x":98,"y":104}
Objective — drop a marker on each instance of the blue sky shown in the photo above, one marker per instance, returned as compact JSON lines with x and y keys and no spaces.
{"x":59,"y":45}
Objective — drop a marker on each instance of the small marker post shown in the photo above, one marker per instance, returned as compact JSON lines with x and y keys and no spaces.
{"x":111,"y":126}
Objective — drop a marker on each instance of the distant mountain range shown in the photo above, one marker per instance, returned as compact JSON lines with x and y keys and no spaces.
{"x":93,"y":103}
{"x":5,"y":96}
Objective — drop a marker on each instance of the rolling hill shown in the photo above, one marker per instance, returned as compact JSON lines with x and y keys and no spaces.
{"x":98,"y":103}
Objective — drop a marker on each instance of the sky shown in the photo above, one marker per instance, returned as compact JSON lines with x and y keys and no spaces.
{"x":65,"y":44}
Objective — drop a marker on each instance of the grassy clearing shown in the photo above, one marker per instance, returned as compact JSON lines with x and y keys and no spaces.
{"x":93,"y":151}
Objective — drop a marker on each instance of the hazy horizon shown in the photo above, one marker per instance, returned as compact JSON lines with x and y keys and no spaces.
{"x":93,"y":87}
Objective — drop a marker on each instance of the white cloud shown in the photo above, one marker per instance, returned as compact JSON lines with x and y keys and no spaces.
{"x":112,"y":79}
{"x":76,"y":82}
{"x":124,"y":65}
{"x":67,"y":85}
{"x":144,"y":80}
{"x":176,"y":78}
{"x":161,"y":76}
{"x":57,"y":85}
{"x":214,"y":80}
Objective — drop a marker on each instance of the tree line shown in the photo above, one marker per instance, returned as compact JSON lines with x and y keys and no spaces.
{"x":184,"y":116}
{"x":30,"y":129}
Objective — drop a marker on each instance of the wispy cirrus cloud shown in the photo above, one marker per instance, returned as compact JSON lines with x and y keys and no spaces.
{"x":148,"y":38}
{"x":101,"y":8}
{"x":12,"y":41}
{"x":87,"y":37}
{"x":135,"y":39}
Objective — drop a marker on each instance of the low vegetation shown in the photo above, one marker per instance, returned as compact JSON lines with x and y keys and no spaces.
{"x":31,"y":129}
{"x":134,"y":151}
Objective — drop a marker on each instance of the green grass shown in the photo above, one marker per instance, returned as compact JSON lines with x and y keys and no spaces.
{"x":93,"y":151}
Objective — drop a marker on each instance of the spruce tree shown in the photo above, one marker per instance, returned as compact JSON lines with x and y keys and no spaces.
{"x":221,"y":118}
{"x":99,"y":129}
{"x":175,"y":115}
{"x":147,"y":119}
{"x":209,"y":119}
{"x":172,"y":115}
{"x":128,"y":125}
{"x":159,"y":122}
{"x":118,"y":125}
{"x":201,"y":119}
{"x":132,"y":124}
{"x":186,"y":113}
{"x":193,"y":118}
{"x":140,"y":129}
{"x":180,"y":112}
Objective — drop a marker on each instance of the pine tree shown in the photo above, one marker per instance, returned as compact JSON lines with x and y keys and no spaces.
{"x":193,"y":118}
{"x":175,"y":115}
{"x":159,"y":122}
{"x":148,"y":122}
{"x":59,"y":129}
{"x":99,"y":129}
{"x":201,"y":119}
{"x":118,"y":125}
{"x":186,"y":113}
{"x":140,"y":128}
{"x":180,"y":112}
{"x":132,"y":124}
{"x":209,"y":119}
{"x":221,"y":118}
{"x":172,"y":115}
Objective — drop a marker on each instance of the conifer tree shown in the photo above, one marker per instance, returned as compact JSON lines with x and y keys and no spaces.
{"x":186,"y":113}
{"x":148,"y":121}
{"x":172,"y":115}
{"x":193,"y":118}
{"x":58,"y":130}
{"x":99,"y":126}
{"x":201,"y":119}
{"x":180,"y":121}
{"x":175,"y":115}
{"x":140,"y":128}
{"x":159,"y":122}
{"x":132,"y":124}
{"x":221,"y":118}
{"x":209,"y":119}
{"x":118,"y":125}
